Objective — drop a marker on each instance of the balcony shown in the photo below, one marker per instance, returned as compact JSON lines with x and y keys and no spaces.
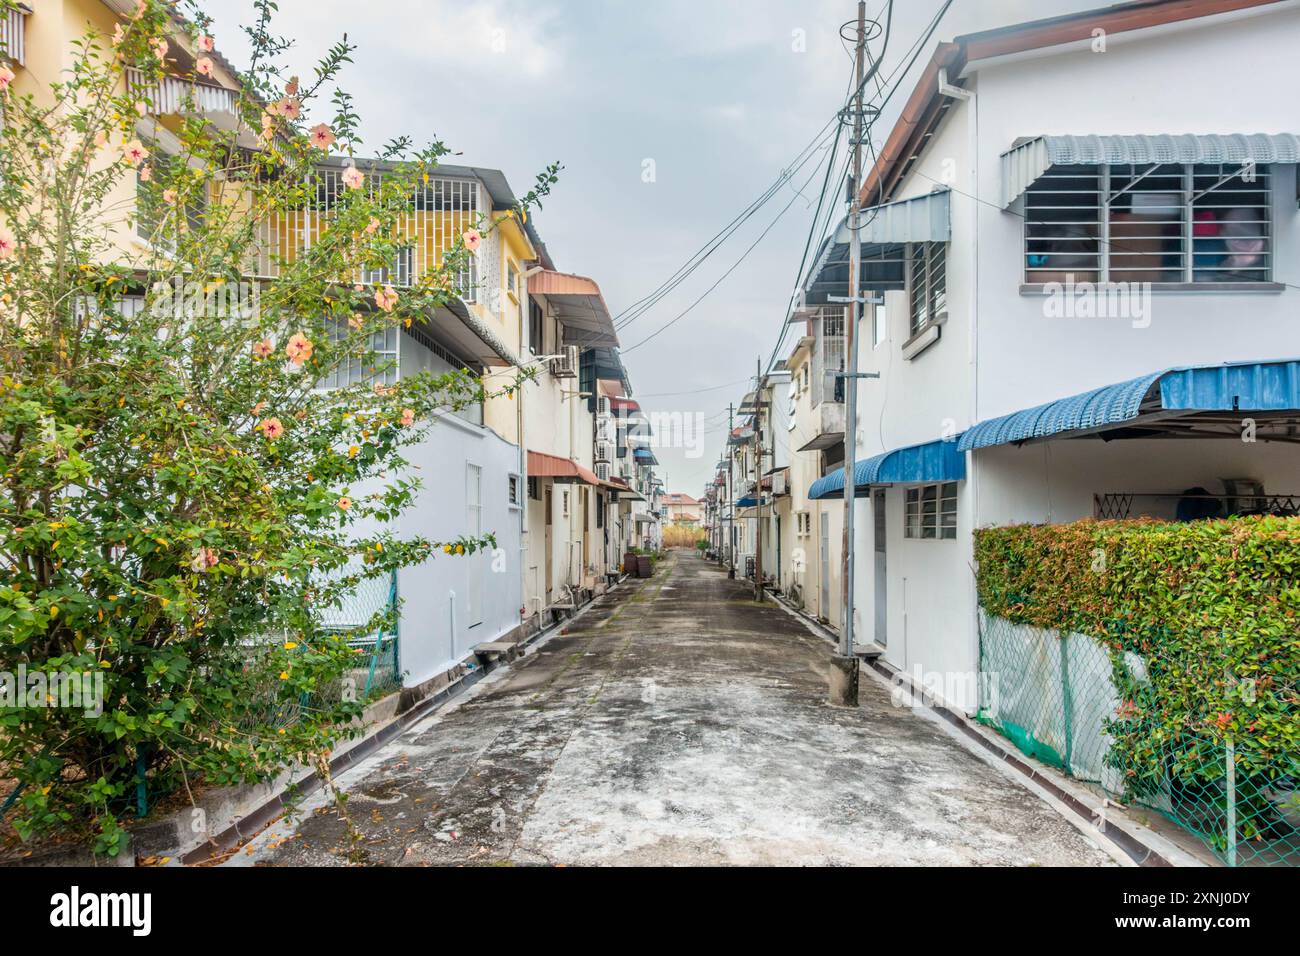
{"x":827,"y":427}
{"x":176,"y":96}
{"x":13,"y":34}
{"x":441,"y":211}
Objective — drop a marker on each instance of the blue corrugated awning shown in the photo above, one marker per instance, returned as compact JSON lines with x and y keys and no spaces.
{"x":932,"y":461}
{"x":1237,"y":387}
{"x":749,"y":502}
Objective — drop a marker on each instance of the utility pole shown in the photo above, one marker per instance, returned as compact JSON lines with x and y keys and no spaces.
{"x":848,"y":663}
{"x":731,"y":493}
{"x":758,"y":484}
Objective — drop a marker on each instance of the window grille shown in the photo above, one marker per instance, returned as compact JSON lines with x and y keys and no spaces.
{"x":927,"y":283}
{"x":1159,"y":223}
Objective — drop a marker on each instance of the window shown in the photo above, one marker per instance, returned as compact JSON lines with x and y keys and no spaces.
{"x":512,"y":280}
{"x":930,"y":511}
{"x":1160,"y":223}
{"x":533,"y":491}
{"x":878,"y":327}
{"x":152,"y":212}
{"x":564,"y":503}
{"x":515,"y":500}
{"x":536,"y":341}
{"x":926,"y":287}
{"x":600,"y":510}
{"x":378,"y":365}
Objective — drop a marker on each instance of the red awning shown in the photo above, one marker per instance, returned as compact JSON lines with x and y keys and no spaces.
{"x":541,"y":465}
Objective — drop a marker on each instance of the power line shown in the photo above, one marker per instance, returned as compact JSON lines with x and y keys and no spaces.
{"x":724,"y":275}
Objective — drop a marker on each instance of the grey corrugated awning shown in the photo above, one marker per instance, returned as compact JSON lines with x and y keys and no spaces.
{"x":1030,"y":158}
{"x":883,"y":230}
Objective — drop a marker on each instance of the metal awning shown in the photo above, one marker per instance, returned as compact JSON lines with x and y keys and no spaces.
{"x":542,"y":465}
{"x":883,"y":230}
{"x":1195,"y":401}
{"x":579,"y":307}
{"x":749,"y":501}
{"x":644,"y":456}
{"x":939,"y":460}
{"x":1030,"y":158}
{"x":470,"y":336}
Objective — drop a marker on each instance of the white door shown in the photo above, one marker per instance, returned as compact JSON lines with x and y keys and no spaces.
{"x":474,"y":525}
{"x":878,"y":513}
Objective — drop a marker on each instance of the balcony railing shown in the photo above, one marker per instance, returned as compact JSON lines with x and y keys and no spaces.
{"x":13,"y":35}
{"x":440,"y":213}
{"x":172,"y":95}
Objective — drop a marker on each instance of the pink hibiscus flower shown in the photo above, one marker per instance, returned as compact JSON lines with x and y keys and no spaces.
{"x":371,"y":226}
{"x":472,"y":239}
{"x":134,"y":153}
{"x":271,"y":428}
{"x":344,"y":503}
{"x":203,"y":65}
{"x":207,"y":44}
{"x":160,"y":48}
{"x":322,"y":137}
{"x":299,"y":348}
{"x":289,"y":108}
{"x":408,"y":416}
{"x":8,"y":244}
{"x":353,"y":178}
{"x":263,"y":348}
{"x":386,"y":298}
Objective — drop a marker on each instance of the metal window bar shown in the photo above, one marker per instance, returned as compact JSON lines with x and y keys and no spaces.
{"x":176,"y":95}
{"x":1153,"y":223}
{"x":829,"y":353}
{"x":13,"y":35}
{"x":439,"y":213}
{"x":378,"y":367}
{"x":927,"y":283}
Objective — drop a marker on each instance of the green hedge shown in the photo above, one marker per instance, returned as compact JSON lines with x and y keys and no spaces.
{"x":1212,"y":608}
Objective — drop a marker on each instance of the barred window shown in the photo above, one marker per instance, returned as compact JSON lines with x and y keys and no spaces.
{"x":927,"y":283}
{"x":930,"y":511}
{"x":1159,"y":223}
{"x":378,"y":366}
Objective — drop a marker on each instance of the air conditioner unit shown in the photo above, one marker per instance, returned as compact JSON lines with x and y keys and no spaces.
{"x":778,"y":483}
{"x":566,"y":367}
{"x":604,"y":451}
{"x":602,"y":470}
{"x":602,"y":407}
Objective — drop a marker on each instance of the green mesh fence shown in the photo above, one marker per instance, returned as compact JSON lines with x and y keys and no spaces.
{"x":1054,"y":696}
{"x":378,"y":667}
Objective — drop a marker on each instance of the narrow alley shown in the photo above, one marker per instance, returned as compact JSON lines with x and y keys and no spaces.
{"x":676,"y":722}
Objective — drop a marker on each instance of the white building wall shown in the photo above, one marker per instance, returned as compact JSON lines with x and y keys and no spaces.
{"x":437,"y":629}
{"x":1016,"y":357}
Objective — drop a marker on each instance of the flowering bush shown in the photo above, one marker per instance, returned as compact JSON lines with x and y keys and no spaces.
{"x":180,"y":499}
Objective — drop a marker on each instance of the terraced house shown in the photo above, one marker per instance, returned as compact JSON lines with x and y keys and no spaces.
{"x":520,"y":466}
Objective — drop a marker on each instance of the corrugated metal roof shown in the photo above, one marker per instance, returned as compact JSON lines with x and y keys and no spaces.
{"x":1028,"y":160}
{"x":1238,"y":386}
{"x":941,"y":460}
{"x":542,"y":465}
{"x":883,"y":229}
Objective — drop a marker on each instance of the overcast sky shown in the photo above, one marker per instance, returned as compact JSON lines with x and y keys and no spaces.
{"x":720,"y":94}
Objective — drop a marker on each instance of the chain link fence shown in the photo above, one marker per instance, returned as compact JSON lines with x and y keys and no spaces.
{"x":1055,"y":696}
{"x":379,"y":670}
